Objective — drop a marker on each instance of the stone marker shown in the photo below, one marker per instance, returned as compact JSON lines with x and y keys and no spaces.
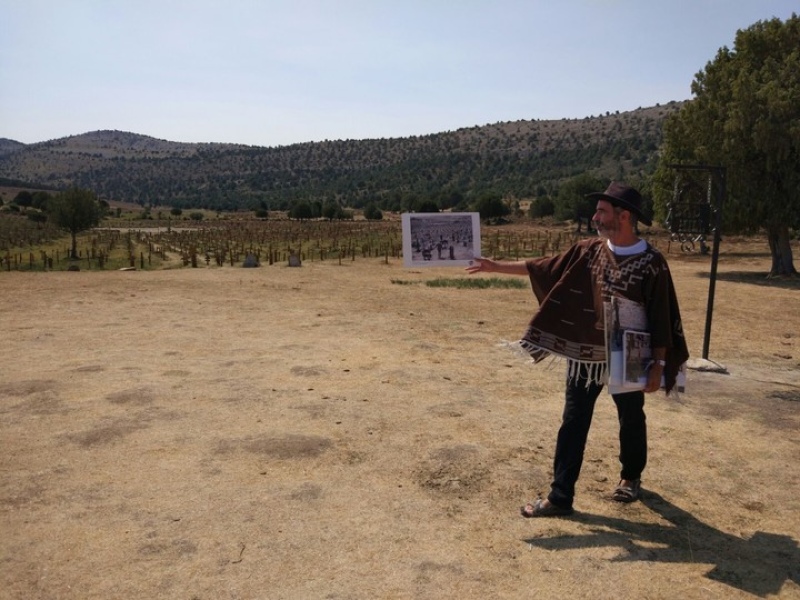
{"x":250,"y":262}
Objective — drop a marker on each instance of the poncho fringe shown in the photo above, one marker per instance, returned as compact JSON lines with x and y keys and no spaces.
{"x":593,"y":372}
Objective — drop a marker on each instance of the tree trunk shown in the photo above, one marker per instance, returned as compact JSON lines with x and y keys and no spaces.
{"x":781,"y":249}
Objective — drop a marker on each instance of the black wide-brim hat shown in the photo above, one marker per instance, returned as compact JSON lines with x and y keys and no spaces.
{"x":625,"y":197}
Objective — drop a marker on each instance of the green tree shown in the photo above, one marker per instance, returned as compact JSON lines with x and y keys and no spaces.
{"x":331,"y":210}
{"x":451,"y":199}
{"x":24,"y":198}
{"x":75,"y":210}
{"x":40,"y":199}
{"x":490,"y":205}
{"x":745,"y":116}
{"x":542,"y":206}
{"x":301,"y":210}
{"x":372,"y":212}
{"x":571,"y":202}
{"x":425,"y":206}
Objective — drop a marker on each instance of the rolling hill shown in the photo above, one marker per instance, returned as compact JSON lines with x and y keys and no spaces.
{"x":515,"y":159}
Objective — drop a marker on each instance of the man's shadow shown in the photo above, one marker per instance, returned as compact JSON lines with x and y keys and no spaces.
{"x":759,"y":565}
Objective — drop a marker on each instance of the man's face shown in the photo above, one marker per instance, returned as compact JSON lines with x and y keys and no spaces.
{"x":606,"y":220}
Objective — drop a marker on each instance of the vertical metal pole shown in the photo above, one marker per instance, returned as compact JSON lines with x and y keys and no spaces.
{"x":721,"y":173}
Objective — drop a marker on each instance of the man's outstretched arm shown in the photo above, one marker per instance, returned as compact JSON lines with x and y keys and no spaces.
{"x":487,"y":265}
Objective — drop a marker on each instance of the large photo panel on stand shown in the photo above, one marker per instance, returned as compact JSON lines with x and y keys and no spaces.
{"x":441,"y":239}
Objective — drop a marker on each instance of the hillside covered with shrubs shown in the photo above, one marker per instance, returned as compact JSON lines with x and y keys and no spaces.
{"x":512,"y":160}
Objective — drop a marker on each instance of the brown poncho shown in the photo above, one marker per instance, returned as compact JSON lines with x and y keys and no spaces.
{"x":571,"y":288}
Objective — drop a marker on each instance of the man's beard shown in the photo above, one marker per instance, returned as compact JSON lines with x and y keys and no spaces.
{"x":605,"y":232}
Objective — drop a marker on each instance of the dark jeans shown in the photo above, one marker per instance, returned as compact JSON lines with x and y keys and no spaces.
{"x":571,"y":441}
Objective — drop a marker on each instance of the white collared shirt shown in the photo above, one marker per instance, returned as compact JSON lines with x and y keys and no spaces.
{"x":637,"y":248}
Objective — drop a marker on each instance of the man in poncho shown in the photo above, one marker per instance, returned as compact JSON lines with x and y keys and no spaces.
{"x":572,"y":289}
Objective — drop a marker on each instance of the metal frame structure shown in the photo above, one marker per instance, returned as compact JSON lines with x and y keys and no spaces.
{"x":690,"y":222}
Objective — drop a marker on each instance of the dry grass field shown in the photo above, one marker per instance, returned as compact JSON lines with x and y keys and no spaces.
{"x":325,"y":432}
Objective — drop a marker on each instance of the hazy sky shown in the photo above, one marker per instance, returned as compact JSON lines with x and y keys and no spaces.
{"x":277,"y":72}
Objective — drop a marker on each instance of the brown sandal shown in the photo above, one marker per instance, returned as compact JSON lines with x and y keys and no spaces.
{"x":628,"y":493}
{"x":538,"y":509}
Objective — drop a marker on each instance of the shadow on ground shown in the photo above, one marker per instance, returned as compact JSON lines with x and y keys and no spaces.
{"x":760,"y":565}
{"x":756,"y":278}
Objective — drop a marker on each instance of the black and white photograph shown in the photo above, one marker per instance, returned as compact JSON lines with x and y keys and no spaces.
{"x":440,"y":239}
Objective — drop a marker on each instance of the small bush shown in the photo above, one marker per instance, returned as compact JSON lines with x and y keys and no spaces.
{"x":479,"y":283}
{"x":404,"y":282}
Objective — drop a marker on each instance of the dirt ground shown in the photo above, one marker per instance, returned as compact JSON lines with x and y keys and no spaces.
{"x":347,"y":432}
